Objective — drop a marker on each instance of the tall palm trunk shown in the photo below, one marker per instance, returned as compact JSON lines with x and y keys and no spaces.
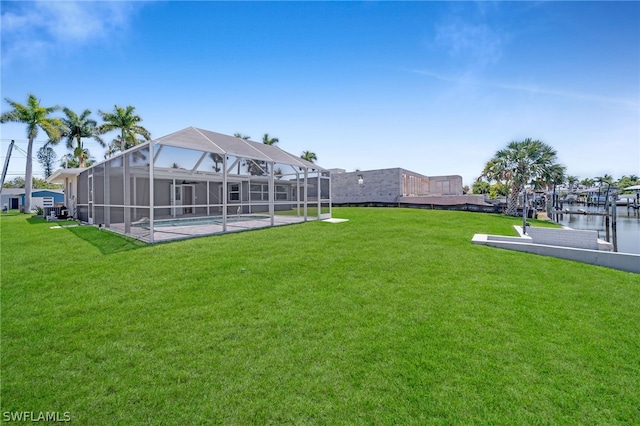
{"x":28,"y":177}
{"x":79,"y":152}
{"x":512,"y":201}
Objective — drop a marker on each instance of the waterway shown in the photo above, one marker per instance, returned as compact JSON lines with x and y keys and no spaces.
{"x":627,"y":236}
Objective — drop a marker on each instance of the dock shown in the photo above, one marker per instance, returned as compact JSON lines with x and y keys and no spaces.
{"x":580,"y":212}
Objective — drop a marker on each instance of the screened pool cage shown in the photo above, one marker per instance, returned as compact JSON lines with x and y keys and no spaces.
{"x":196,"y":182}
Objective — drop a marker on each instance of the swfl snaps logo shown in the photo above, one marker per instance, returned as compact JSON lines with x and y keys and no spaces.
{"x":36,"y":416}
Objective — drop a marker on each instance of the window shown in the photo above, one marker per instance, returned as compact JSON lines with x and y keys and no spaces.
{"x":259,"y":192}
{"x":414,"y":185}
{"x":282,"y":192}
{"x":234,"y":192}
{"x":442,"y":187}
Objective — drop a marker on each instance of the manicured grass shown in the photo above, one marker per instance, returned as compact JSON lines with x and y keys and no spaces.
{"x":391,"y":318}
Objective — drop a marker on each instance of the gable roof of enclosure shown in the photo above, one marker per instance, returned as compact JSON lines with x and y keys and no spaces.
{"x":208,"y":141}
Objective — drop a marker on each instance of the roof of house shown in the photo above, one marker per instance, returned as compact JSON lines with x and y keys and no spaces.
{"x":20,"y":191}
{"x":208,"y":141}
{"x":47,"y":190}
{"x":59,"y":175}
{"x":12,"y":191}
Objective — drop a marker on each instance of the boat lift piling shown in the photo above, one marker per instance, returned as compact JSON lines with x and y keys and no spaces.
{"x":610,"y":219}
{"x":607,"y":203}
{"x":614,"y":230}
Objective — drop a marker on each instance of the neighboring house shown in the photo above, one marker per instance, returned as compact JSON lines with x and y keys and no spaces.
{"x":196,"y":182}
{"x":13,"y":198}
{"x":68,"y":179}
{"x":397,"y":186}
{"x":10,"y":198}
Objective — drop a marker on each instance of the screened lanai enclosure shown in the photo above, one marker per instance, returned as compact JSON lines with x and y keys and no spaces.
{"x":197,"y":182}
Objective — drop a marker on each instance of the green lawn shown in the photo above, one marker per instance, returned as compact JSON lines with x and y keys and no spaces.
{"x":391,"y":318}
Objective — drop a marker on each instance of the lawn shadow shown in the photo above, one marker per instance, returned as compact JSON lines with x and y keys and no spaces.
{"x":105,"y":241}
{"x":33,"y":220}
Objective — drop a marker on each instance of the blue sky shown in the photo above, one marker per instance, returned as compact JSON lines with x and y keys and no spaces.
{"x":433,"y":87}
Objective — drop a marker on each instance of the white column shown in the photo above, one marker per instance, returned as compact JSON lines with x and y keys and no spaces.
{"x":306,"y":184}
{"x":272,"y":194}
{"x":126,"y":177}
{"x":152,"y":164}
{"x":224,"y":193}
{"x":173,"y":198}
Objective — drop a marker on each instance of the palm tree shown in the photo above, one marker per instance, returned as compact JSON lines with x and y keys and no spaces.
{"x":241,"y":136}
{"x":269,"y":140}
{"x":35,"y":117}
{"x":83,"y":156}
{"x":572,"y":181}
{"x":217,"y":161}
{"x":601,"y":180}
{"x":128,"y":123}
{"x":68,"y":161}
{"x":520,"y":163}
{"x":113,"y":147}
{"x":74,"y":159}
{"x":309,"y":156}
{"x":260,"y":168}
{"x":76,"y":128}
{"x":587,"y":182}
{"x":553,"y":175}
{"x":493,"y":173}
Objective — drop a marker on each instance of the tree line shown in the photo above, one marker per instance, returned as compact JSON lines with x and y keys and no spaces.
{"x":74,"y":128}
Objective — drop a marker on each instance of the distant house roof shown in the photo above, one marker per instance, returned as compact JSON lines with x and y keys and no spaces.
{"x":12,"y":191}
{"x":20,"y":191}
{"x":42,"y":191}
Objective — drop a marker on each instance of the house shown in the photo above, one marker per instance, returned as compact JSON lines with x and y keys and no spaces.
{"x":13,"y":198}
{"x":68,"y":179}
{"x":10,"y":198}
{"x":196,"y":182}
{"x":397,"y":186}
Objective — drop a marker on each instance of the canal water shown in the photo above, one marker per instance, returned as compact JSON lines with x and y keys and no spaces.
{"x":627,"y":236}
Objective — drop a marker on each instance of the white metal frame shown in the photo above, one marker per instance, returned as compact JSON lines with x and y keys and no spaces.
{"x":296,"y":179}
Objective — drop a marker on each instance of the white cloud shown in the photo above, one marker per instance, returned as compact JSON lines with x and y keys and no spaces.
{"x":43,"y":29}
{"x":535,"y":90}
{"x":531,"y":89}
{"x":75,"y":22}
{"x":477,"y":44}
